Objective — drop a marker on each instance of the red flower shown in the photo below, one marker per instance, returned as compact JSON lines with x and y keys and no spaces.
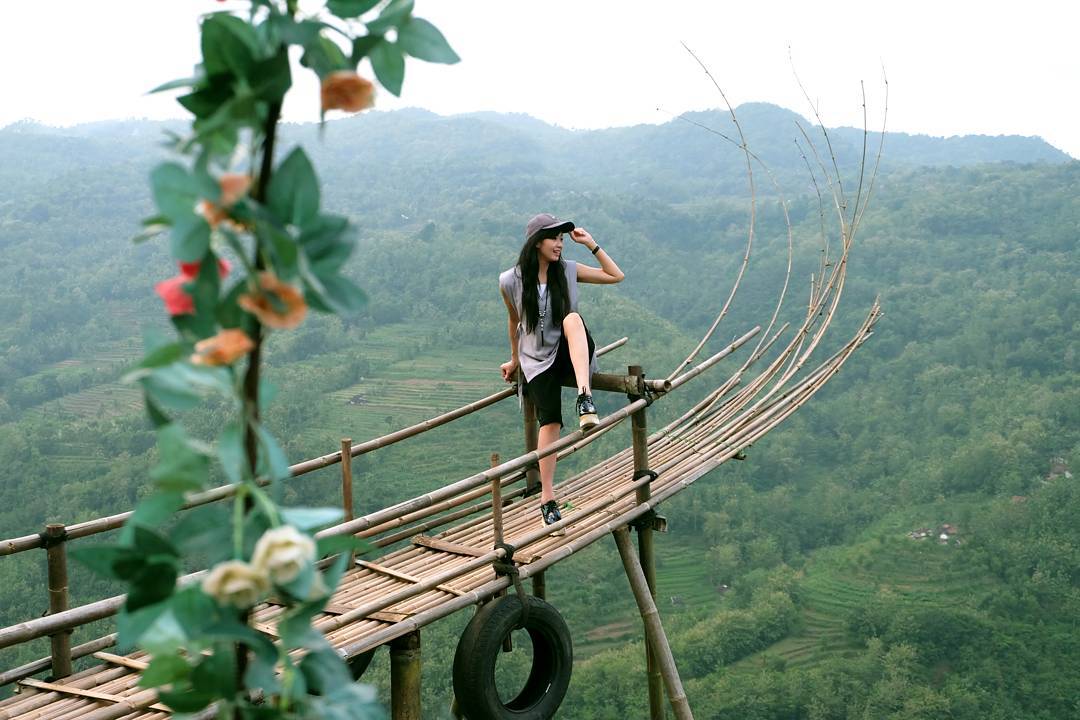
{"x":177,"y":300}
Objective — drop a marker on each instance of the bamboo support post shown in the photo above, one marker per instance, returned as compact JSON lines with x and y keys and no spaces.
{"x":405,"y":677}
{"x":56,"y":557}
{"x":496,"y":503}
{"x":639,"y":430}
{"x":497,"y":528}
{"x":539,"y":585}
{"x":654,"y":630}
{"x":346,"y":485}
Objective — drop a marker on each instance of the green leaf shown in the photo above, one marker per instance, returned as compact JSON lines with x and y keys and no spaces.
{"x":229,"y":44}
{"x":108,"y":560}
{"x":324,"y":670}
{"x":389,"y":66}
{"x":157,"y":417}
{"x":166,"y":389}
{"x":133,"y":626}
{"x":234,"y":631}
{"x":230,"y":452}
{"x":186,"y":701}
{"x":346,"y":9}
{"x":174,"y":189}
{"x":272,"y":78}
{"x":392,"y":16}
{"x":194,"y":610}
{"x":342,"y":293}
{"x":296,"y":32}
{"x":228,"y":313}
{"x":165,"y":355}
{"x":333,"y":544}
{"x":204,"y":291}
{"x":351,"y":701}
{"x":272,"y":456}
{"x":363,"y":45}
{"x":295,"y":627}
{"x":182,"y":466}
{"x":216,"y":674}
{"x":151,"y":512}
{"x":260,"y":674}
{"x":307,"y":519}
{"x":164,"y":669}
{"x":208,"y":97}
{"x":324,"y":57}
{"x":282,"y":247}
{"x":150,"y":232}
{"x":423,"y":40}
{"x":190,"y":237}
{"x":178,"y":83}
{"x":205,"y":532}
{"x":293,"y":195}
{"x":325,"y":241}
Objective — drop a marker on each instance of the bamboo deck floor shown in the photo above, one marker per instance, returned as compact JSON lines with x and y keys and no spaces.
{"x":113,"y":684}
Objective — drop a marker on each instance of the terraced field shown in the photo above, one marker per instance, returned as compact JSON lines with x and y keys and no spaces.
{"x":100,"y":401}
{"x":918,"y":573}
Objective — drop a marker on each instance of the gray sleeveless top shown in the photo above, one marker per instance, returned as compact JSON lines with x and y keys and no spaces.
{"x":536,"y":351}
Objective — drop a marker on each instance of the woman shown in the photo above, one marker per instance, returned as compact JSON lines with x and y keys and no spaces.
{"x":548,"y":338}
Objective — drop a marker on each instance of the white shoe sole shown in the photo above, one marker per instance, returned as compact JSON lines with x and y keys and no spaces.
{"x":587,"y":422}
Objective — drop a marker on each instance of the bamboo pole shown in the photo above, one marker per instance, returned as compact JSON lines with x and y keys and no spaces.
{"x":496,"y":503}
{"x":56,"y":558}
{"x":346,"y":485}
{"x":640,"y":437}
{"x":654,"y":630}
{"x":346,"y":478}
{"x":405,"y":677}
{"x":33,"y":668}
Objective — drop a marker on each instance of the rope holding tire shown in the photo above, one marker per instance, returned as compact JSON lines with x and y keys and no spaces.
{"x":479,"y":648}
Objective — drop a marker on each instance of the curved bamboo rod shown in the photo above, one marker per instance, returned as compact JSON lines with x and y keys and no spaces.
{"x":750,"y":234}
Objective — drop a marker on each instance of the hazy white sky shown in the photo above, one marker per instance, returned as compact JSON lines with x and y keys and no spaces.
{"x":954,"y":67}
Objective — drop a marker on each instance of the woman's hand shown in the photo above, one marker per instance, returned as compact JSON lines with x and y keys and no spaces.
{"x":509,"y":369}
{"x":582,"y":237}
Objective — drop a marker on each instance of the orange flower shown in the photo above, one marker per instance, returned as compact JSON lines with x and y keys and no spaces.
{"x":276,"y":304}
{"x":225,"y":348}
{"x":233,"y":187}
{"x":345,"y":90}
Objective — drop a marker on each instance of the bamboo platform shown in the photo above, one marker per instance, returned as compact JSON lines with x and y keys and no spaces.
{"x":437,"y":574}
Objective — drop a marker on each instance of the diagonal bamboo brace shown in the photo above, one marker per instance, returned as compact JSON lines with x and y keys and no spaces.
{"x":654,"y":631}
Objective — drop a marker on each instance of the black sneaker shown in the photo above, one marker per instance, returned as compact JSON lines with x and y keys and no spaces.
{"x":586,"y":411}
{"x":550,"y":511}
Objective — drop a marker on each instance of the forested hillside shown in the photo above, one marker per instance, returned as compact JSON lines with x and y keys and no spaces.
{"x":790,"y":583}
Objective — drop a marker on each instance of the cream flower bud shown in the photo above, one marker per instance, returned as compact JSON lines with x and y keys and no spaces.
{"x":234,"y":582}
{"x":282,"y":553}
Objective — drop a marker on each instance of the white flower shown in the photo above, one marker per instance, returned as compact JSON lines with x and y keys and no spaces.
{"x":282,"y":553}
{"x":237,"y":583}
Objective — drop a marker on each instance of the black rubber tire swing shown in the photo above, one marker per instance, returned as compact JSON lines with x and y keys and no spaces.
{"x":479,"y":648}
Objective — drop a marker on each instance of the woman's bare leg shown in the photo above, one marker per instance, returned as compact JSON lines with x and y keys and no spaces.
{"x":548,"y":434}
{"x":574,"y":329}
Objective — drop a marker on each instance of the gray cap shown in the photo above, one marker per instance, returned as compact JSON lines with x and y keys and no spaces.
{"x":546,"y":221}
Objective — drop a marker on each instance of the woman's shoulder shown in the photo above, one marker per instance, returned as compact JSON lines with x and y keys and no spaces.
{"x":509,"y":278}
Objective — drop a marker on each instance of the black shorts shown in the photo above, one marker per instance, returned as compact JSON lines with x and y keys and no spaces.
{"x":545,"y":390}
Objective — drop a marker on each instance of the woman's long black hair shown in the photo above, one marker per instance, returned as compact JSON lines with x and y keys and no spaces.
{"x":558,"y":291}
